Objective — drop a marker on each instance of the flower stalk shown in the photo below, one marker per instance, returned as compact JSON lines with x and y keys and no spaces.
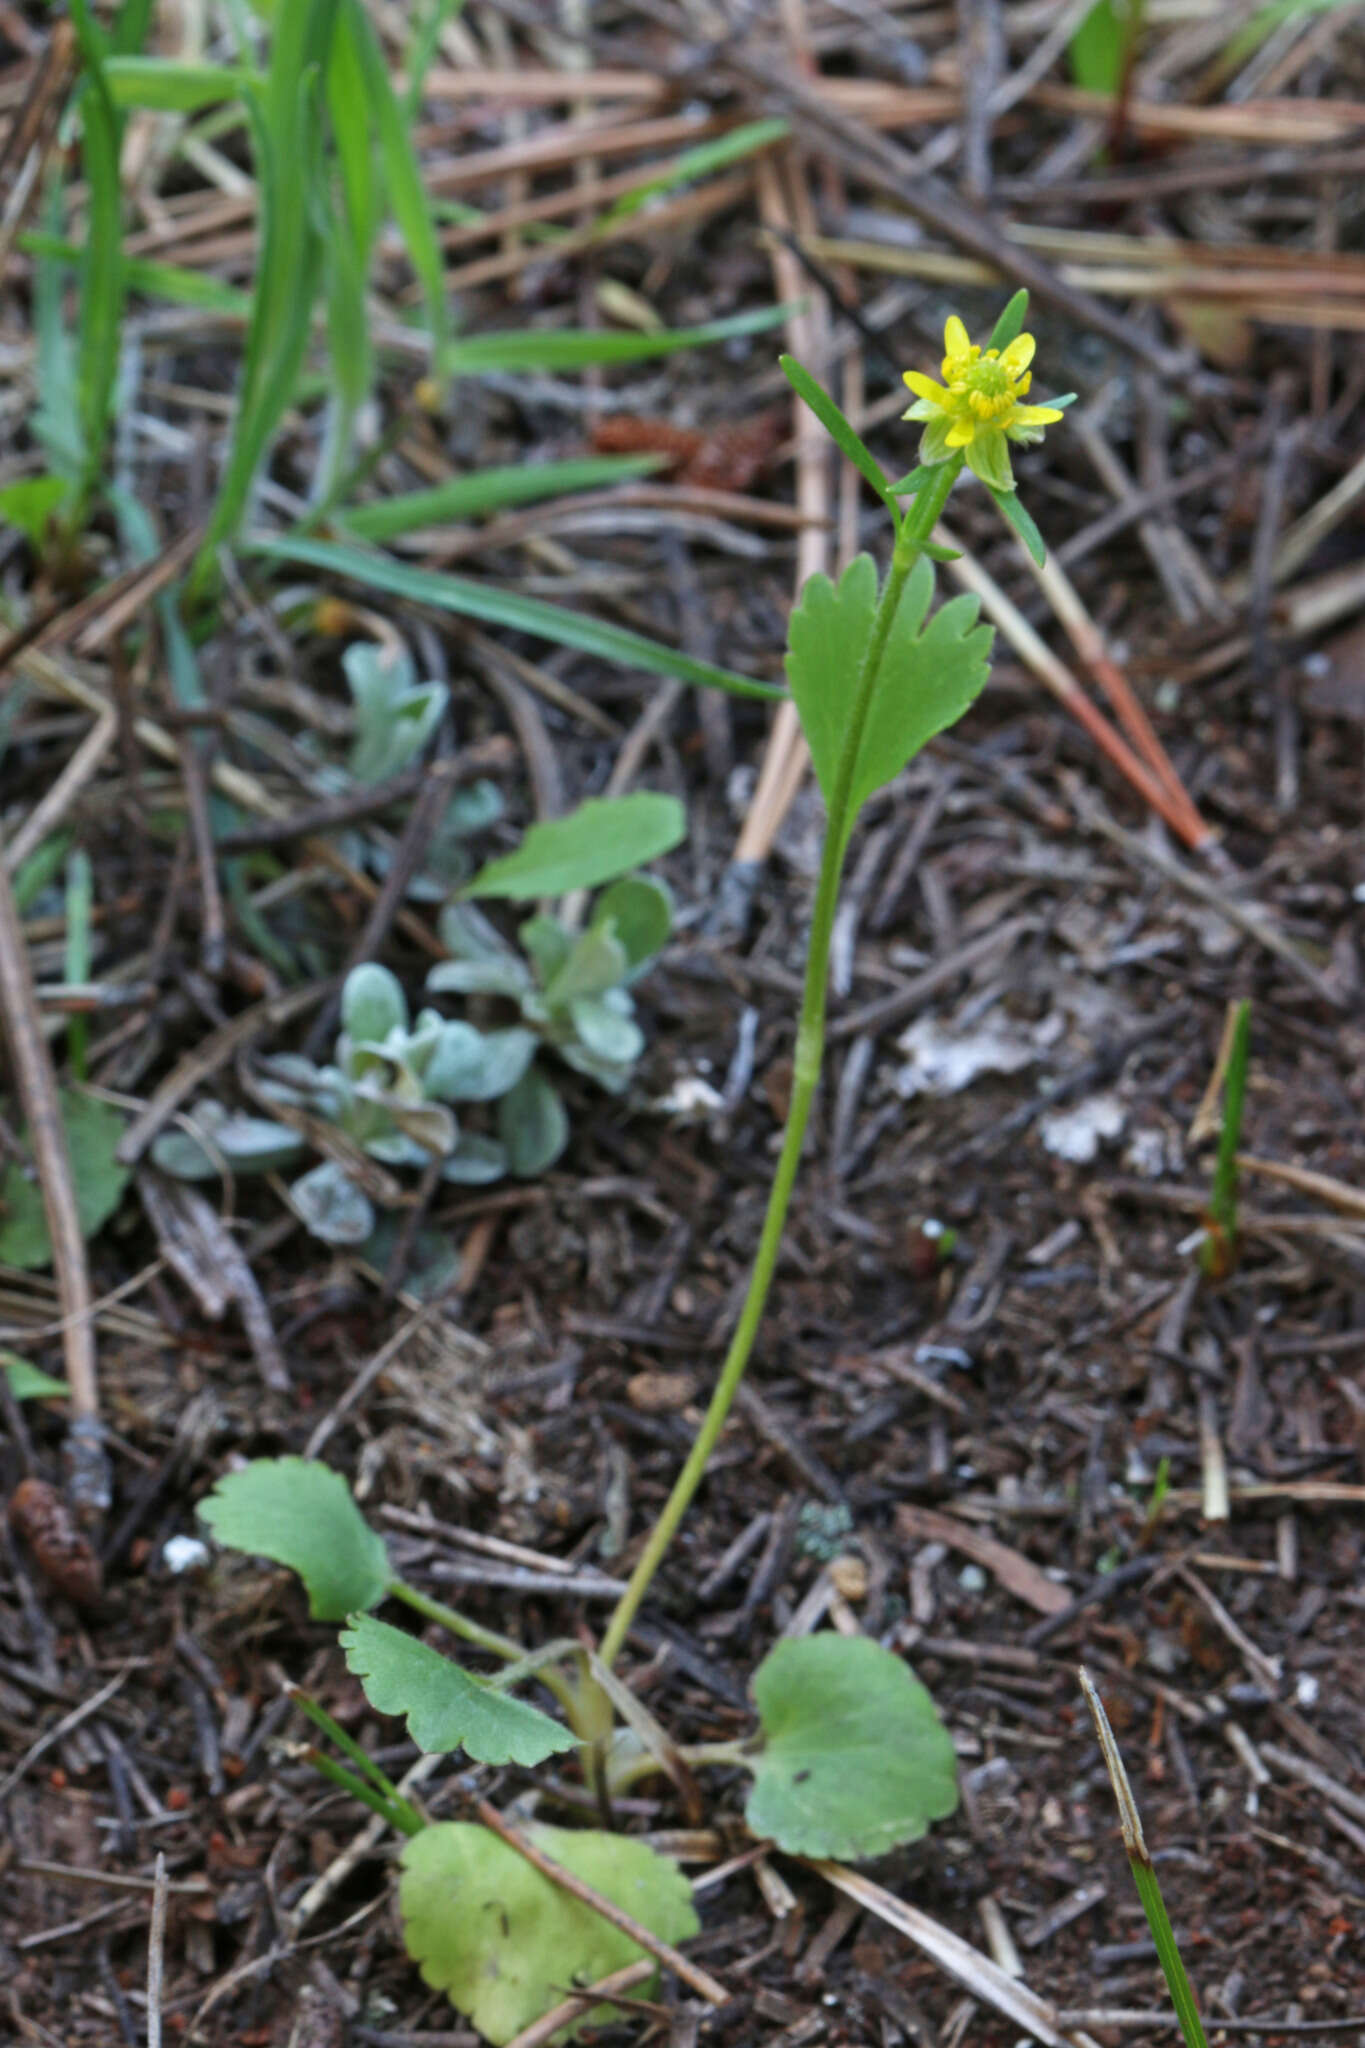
{"x":912,"y":537}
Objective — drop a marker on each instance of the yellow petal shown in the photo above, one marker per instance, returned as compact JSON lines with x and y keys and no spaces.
{"x":925,"y":387}
{"x":956,"y":340}
{"x":962,"y":433}
{"x":1017,"y":357}
{"x":1035,"y":415}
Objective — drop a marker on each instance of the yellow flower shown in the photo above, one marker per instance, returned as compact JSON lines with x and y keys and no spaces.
{"x":979,"y":406}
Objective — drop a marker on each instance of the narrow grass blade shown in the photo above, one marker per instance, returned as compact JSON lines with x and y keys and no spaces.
{"x":1218,"y":1252}
{"x":496,"y":607}
{"x":164,"y":86}
{"x":402,"y":178}
{"x":102,"y":280}
{"x":700,"y":162}
{"x":531,"y":349}
{"x":79,"y":902}
{"x":490,"y":490}
{"x":1144,"y":1874}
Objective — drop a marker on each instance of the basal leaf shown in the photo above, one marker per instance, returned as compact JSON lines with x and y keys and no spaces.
{"x":639,"y":910}
{"x":445,"y":1707}
{"x":855,"y":1759}
{"x":297,"y":1512}
{"x":929,"y":673}
{"x":603,"y":838}
{"x":533,"y":1125}
{"x":504,"y":1943}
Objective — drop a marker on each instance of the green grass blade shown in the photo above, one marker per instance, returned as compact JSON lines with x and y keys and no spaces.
{"x":403,"y":179}
{"x":1144,"y":1874}
{"x":155,"y":280}
{"x":102,"y":281}
{"x":421,"y":52}
{"x":79,"y":903}
{"x":700,"y":162}
{"x":1012,"y":316}
{"x":288,"y":144}
{"x":163,"y":85}
{"x":489,"y":490}
{"x":531,"y":349}
{"x":1219,"y":1249}
{"x":475,"y":600}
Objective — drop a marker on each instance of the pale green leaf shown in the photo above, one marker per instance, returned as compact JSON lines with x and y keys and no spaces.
{"x":533,"y":1125}
{"x":504,"y":1942}
{"x":603,"y":838}
{"x":373,"y":1004}
{"x":929,"y":673}
{"x":93,"y":1130}
{"x":297,"y":1512}
{"x":1011,"y":320}
{"x":855,"y":1759}
{"x":639,"y":910}
{"x":1015,"y":514}
{"x":28,"y":1382}
{"x":445,"y":1707}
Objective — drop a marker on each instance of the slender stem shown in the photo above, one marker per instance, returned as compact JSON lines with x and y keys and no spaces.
{"x":349,"y":1747}
{"x":406,"y":1819}
{"x":483,"y":1638}
{"x":918,"y":524}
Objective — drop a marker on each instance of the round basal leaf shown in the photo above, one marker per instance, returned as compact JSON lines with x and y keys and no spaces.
{"x":475,"y":1161}
{"x":446,"y":1709}
{"x":93,"y":1130}
{"x":478,"y":1066}
{"x":639,"y":911}
{"x":855,"y":1759}
{"x":606,"y":1032}
{"x":533,"y":1125}
{"x":297,"y":1512}
{"x":608,"y":1074}
{"x":603,"y":838}
{"x":331,"y":1207}
{"x":28,"y":1382}
{"x":372,"y":1004}
{"x":505,"y":1943}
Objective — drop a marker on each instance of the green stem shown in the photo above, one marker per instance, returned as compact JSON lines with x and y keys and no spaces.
{"x":405,"y":1819}
{"x":919,"y":523}
{"x":411,"y":1819}
{"x":483,"y":1638}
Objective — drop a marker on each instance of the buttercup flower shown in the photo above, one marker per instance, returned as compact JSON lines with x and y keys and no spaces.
{"x":979,"y":406}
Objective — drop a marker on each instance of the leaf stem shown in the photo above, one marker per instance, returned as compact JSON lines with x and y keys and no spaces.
{"x":916,"y":528}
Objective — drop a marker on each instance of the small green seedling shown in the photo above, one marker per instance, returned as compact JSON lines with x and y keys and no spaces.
{"x":1144,"y":1875}
{"x":849,"y":1757}
{"x":1218,"y":1249}
{"x":393,"y":1088}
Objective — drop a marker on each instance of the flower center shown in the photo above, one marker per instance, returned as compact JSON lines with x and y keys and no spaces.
{"x":990,"y":389}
